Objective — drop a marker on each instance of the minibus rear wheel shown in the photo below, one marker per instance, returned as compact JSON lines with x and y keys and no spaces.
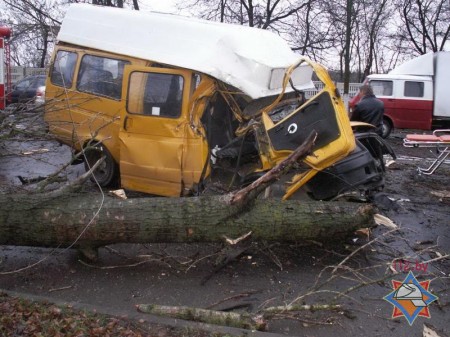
{"x":106,"y":174}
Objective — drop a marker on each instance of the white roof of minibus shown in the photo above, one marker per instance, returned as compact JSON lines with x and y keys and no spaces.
{"x":398,"y":77}
{"x":250,"y":59}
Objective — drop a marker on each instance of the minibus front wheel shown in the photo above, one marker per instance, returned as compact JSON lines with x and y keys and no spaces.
{"x":106,"y":173}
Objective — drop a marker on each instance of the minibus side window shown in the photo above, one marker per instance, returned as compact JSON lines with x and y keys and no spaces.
{"x":155,"y":94}
{"x":101,"y":76}
{"x":381,"y":88}
{"x":63,"y":68}
{"x":413,"y":89}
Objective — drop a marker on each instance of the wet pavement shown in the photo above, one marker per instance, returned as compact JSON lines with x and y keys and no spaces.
{"x":355,"y":274}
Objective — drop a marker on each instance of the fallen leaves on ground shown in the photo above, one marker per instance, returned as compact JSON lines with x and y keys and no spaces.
{"x":20,"y":317}
{"x":385,"y":221}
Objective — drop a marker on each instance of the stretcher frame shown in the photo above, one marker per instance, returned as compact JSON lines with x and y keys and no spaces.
{"x":440,"y":140}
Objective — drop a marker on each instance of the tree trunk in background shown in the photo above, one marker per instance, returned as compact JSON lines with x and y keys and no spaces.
{"x":45,"y":42}
{"x":49,"y":221}
{"x":348,"y":41}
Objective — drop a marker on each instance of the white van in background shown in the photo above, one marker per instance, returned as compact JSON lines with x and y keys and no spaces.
{"x":416,"y":94}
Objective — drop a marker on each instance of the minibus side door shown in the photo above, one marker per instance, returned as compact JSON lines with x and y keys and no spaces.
{"x":152,"y":129}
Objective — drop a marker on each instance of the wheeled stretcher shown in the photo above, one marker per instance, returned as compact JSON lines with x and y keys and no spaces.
{"x":440,"y":139}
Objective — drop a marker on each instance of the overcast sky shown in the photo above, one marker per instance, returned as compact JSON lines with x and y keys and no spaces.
{"x":167,"y":6}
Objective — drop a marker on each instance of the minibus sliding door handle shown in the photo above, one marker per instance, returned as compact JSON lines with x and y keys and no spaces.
{"x":125,"y":123}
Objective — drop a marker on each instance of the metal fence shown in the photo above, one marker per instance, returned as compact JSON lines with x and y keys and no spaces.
{"x":352,"y":91}
{"x":17,"y":73}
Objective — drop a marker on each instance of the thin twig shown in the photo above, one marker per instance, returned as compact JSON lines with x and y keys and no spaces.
{"x":241,"y":295}
{"x":58,"y":289}
{"x":361,"y":248}
{"x":123,"y":266}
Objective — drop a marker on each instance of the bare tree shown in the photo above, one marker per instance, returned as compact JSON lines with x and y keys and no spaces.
{"x":110,"y":3}
{"x":34,"y":25}
{"x":374,"y":18}
{"x":265,"y":14}
{"x":269,"y":13}
{"x":303,"y":23}
{"x":312,"y":34}
{"x":347,"y":50}
{"x":342,"y":16}
{"x":425,"y":24}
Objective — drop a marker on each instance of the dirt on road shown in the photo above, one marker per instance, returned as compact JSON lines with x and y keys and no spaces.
{"x":356,"y":274}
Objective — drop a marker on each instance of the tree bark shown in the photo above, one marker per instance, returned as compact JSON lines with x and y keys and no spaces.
{"x":63,"y":218}
{"x":244,"y":321}
{"x":57,"y":221}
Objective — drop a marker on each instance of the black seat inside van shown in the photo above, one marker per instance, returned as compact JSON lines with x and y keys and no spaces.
{"x":100,"y":82}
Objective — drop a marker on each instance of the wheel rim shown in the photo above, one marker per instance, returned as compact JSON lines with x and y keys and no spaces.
{"x":101,"y":173}
{"x":386,"y":129}
{"x":102,"y":170}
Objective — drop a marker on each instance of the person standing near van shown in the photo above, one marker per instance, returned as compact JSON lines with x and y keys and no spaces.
{"x":369,"y":109}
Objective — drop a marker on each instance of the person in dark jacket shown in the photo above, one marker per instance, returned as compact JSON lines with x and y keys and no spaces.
{"x":369,"y":109}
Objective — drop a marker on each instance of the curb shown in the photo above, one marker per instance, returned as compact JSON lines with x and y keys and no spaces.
{"x":147,"y":319}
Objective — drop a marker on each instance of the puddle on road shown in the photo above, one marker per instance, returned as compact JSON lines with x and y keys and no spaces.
{"x":32,"y":159}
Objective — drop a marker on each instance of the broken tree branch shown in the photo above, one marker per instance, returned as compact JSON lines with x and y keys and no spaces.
{"x":250,"y":192}
{"x":76,"y":185}
{"x":233,"y":319}
{"x":231,"y":252}
{"x":301,"y":307}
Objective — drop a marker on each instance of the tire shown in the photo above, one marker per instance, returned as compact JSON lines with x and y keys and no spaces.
{"x":106,"y":174}
{"x":387,"y":128}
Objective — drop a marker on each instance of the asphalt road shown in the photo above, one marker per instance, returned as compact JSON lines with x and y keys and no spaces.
{"x":266,"y":274}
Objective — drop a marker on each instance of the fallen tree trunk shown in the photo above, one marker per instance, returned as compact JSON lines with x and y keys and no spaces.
{"x":42,"y":220}
{"x":88,"y":220}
